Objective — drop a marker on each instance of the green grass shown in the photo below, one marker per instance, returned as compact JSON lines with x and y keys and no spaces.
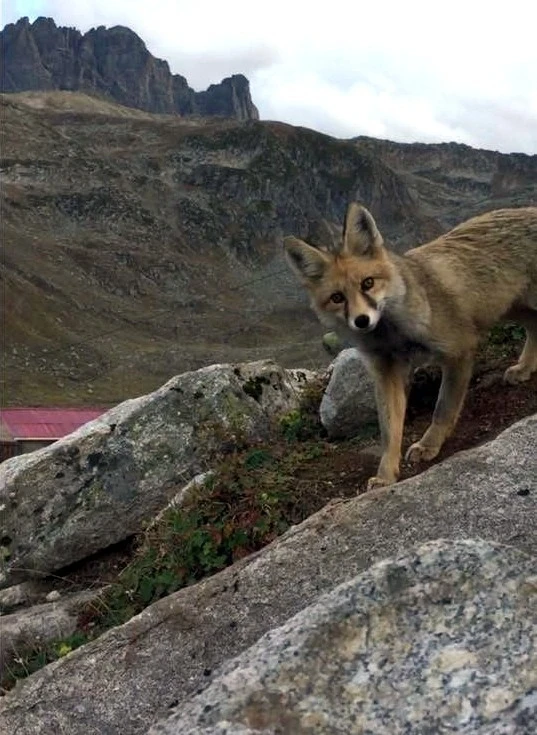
{"x":36,"y":655}
{"x":249,"y":501}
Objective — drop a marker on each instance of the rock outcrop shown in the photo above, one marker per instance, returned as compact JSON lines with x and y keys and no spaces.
{"x":441,"y":639}
{"x":162,"y":657}
{"x":452,"y":180}
{"x":114,"y":63}
{"x":102,"y":483}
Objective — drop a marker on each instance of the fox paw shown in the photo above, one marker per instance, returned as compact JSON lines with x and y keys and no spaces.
{"x":517,"y":374}
{"x":376,"y":481}
{"x":420,"y":453}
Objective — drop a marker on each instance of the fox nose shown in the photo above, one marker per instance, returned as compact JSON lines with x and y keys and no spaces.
{"x":362,"y":321}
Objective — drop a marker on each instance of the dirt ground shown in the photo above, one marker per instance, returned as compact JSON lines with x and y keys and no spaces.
{"x":491,"y":407}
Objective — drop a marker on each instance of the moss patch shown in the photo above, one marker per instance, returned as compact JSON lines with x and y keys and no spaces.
{"x":254,"y":386}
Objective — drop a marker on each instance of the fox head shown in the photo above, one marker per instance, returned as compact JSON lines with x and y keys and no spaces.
{"x":350,"y":282}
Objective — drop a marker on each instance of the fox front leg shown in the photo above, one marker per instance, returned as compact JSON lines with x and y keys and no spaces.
{"x":391,"y":380}
{"x":456,"y":376}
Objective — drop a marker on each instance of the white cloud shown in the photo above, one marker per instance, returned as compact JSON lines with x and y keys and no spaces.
{"x":408,"y":71}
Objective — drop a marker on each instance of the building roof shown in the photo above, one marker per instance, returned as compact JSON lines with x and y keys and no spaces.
{"x":43,"y":424}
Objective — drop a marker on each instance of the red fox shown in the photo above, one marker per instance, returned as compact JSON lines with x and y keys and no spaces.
{"x":431,"y":305}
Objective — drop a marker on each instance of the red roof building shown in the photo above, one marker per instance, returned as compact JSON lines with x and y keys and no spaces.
{"x":25,"y":429}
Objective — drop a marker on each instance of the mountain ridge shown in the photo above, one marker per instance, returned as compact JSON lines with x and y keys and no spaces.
{"x":113,"y":62}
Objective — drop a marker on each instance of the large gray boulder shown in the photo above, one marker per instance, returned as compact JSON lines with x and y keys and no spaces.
{"x":348,"y":404}
{"x":100,"y":484}
{"x":122,"y":682}
{"x":442,"y":639}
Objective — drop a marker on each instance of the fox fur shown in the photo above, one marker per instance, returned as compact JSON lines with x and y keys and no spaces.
{"x":431,"y":305}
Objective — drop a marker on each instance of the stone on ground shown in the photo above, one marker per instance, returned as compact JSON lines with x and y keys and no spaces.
{"x":348,"y":405}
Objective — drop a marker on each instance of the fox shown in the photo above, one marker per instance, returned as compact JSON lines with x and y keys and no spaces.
{"x":431,"y":305}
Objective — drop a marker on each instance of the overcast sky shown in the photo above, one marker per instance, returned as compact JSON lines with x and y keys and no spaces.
{"x":413,"y":70}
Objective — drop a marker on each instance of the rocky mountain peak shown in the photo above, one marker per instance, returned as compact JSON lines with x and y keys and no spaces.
{"x":113,"y":63}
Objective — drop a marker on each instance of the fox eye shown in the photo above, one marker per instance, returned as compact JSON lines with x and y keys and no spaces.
{"x":337,"y":297}
{"x":367,"y":284}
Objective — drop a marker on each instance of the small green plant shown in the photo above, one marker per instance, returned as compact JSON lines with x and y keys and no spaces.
{"x":257,"y":458}
{"x":505,"y":334}
{"x":303,"y":423}
{"x":292,"y":425}
{"x":242,"y":507}
{"x":503,"y":342}
{"x":36,"y":655}
{"x":312,"y":451}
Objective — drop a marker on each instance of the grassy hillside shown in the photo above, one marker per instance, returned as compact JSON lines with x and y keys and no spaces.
{"x":137,"y":246}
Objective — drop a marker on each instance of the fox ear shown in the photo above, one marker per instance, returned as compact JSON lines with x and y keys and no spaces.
{"x":308,"y":262}
{"x":360,"y":234}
